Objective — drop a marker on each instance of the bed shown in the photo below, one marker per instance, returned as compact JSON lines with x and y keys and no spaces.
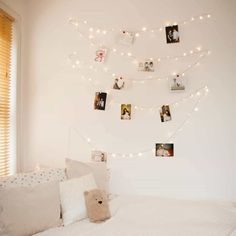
{"x":153,"y":216}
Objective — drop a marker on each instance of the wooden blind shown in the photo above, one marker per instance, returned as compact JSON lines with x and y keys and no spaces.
{"x":6,"y":23}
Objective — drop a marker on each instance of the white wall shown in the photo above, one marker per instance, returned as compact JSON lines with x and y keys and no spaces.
{"x":56,"y":99}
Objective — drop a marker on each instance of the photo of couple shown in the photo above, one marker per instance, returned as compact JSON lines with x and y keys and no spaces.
{"x":172,"y":34}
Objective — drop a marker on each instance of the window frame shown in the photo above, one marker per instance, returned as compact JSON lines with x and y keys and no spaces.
{"x":16,"y":40}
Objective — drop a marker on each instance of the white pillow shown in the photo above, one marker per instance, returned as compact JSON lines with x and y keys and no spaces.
{"x":72,"y":198}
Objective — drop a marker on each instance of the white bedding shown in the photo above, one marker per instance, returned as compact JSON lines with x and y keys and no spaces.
{"x":152,"y":216}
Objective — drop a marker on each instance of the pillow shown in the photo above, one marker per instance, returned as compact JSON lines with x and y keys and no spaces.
{"x":29,"y":210}
{"x":72,"y":198}
{"x":97,"y":205}
{"x":33,"y":178}
{"x":75,"y":169}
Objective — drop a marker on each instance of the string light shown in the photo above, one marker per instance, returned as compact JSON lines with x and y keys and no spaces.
{"x":72,"y":57}
{"x":135,"y":80}
{"x":170,"y":138}
{"x":142,"y":30}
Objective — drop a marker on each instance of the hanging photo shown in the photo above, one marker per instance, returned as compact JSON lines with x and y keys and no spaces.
{"x":165,"y":113}
{"x":100,"y":55}
{"x":164,"y":149}
{"x":126,"y":37}
{"x":177,"y":83}
{"x":99,"y":156}
{"x":119,"y":83}
{"x":125,"y":111}
{"x":172,"y":34}
{"x":146,"y":66}
{"x":100,"y":101}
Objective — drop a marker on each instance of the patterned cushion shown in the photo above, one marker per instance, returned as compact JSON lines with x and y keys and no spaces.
{"x":33,"y":178}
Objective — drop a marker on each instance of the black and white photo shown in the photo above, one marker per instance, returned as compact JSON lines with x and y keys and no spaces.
{"x":165,"y":113}
{"x":119,"y":83}
{"x":177,"y":83}
{"x":100,"y":101}
{"x":146,"y":66}
{"x":172,"y":34}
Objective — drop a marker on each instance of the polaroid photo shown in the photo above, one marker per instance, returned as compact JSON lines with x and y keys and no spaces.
{"x":125,"y":111}
{"x":172,"y":34}
{"x":126,"y":37}
{"x":164,"y":149}
{"x":119,"y":83}
{"x":100,"y":101}
{"x":99,"y":156}
{"x":146,"y":66}
{"x":165,"y":113}
{"x":177,"y":83}
{"x":100,"y":55}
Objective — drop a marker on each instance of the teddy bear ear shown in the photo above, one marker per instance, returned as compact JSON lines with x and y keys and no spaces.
{"x":86,"y":193}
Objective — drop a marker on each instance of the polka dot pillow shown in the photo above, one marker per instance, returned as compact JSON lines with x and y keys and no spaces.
{"x":33,"y":178}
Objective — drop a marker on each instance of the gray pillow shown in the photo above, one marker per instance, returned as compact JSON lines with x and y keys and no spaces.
{"x":29,"y":210}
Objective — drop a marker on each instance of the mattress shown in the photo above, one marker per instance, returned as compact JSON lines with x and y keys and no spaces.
{"x":153,"y":216}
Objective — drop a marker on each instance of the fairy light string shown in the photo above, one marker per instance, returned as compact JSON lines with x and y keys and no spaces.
{"x":92,"y":29}
{"x":91,"y":32}
{"x":81,"y":65}
{"x":199,"y":94}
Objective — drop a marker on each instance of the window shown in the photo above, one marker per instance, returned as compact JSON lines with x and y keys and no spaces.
{"x":6,"y":49}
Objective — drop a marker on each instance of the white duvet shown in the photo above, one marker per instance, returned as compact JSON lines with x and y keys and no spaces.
{"x":152,"y":216}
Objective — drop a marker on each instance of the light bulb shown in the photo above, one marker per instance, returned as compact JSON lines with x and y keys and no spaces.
{"x":192,"y":19}
{"x":160,"y":29}
{"x":195,"y":109}
{"x":139,"y":154}
{"x":201,"y":17}
{"x":114,"y":50}
{"x":98,"y":31}
{"x":129,"y":54}
{"x":208,"y":15}
{"x":144,"y":29}
{"x":199,"y":48}
{"x":137,"y":35}
{"x":85,"y":22}
{"x":91,"y":29}
{"x":104,"y":31}
{"x":88,"y":140}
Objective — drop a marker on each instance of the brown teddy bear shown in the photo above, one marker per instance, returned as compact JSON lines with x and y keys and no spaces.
{"x":97,"y":205}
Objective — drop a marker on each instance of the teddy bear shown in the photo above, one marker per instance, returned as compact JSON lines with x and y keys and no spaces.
{"x":97,"y":205}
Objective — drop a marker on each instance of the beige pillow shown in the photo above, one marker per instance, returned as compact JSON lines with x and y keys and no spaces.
{"x":75,"y":169}
{"x":29,"y":210}
{"x":72,"y":198}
